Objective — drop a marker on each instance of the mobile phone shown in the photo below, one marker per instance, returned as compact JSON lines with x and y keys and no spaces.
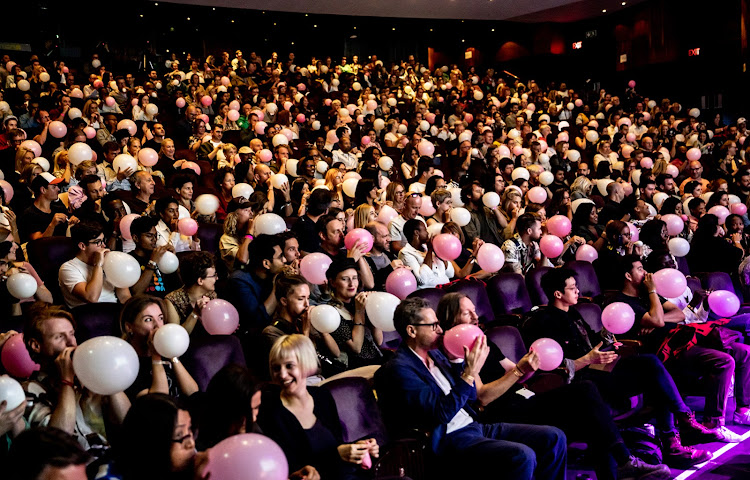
{"x":610,"y":347}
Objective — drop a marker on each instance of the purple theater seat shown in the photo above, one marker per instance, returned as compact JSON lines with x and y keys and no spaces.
{"x":358,"y":411}
{"x":431,"y":295}
{"x":592,"y":315}
{"x":694,"y":284}
{"x":534,"y":285}
{"x":209,"y":235}
{"x":477,"y":292}
{"x":97,"y":320}
{"x":717,"y":281}
{"x":508,"y":340}
{"x":391,"y":340}
{"x":588,"y":282}
{"x":682,"y":265}
{"x":209,"y":354}
{"x":508,"y":295}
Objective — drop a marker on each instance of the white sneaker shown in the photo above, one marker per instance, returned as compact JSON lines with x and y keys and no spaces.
{"x":726,"y":435}
{"x":741,"y":418}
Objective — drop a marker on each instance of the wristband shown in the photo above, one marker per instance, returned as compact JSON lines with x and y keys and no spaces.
{"x":68,"y":383}
{"x":158,"y":362}
{"x":517,"y":372}
{"x":248,"y":236}
{"x":467,"y":377}
{"x":175,"y":360}
{"x":651,"y":291}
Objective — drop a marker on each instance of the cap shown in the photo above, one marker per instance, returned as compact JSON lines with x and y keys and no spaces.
{"x":245,"y":150}
{"x":45,"y":179}
{"x":339,"y":265}
{"x":13,"y":117}
{"x":238,"y":203}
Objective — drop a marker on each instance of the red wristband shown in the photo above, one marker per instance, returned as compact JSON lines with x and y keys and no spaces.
{"x":68,"y":383}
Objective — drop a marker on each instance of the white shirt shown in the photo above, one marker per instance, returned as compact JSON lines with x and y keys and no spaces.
{"x":348,"y":159}
{"x":76,"y":271}
{"x":427,"y":275}
{"x":165,"y":236}
{"x":396,"y":228}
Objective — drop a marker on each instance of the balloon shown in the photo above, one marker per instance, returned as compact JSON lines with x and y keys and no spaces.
{"x":720,"y":211}
{"x":288,"y":134}
{"x":11,"y":393}
{"x":358,"y":235}
{"x":586,"y":253}
{"x":16,"y":359}
{"x":42,"y":162}
{"x":44,"y":76}
{"x":647,"y":163}
{"x":693,"y":154}
{"x":380,"y":307}
{"x":738,"y":208}
{"x":247,"y":456}
{"x":673,"y":170}
{"x":33,"y":146}
{"x":279,"y":139}
{"x":79,"y":152}
{"x":325,"y":318}
{"x":269,"y":224}
{"x":57,"y":129}
{"x":679,"y":247}
{"x":490,"y":258}
{"x":446,"y":246}
{"x":491,"y":199}
{"x":242,"y":190}
{"x":670,"y":282}
{"x":125,"y":225}
{"x":168,"y":263}
{"x":314,"y":266}
{"x":76,"y":92}
{"x":426,"y":148}
{"x":387,"y":214}
{"x":401,"y":282}
{"x":520,"y":172}
{"x":550,"y":353}
{"x":207,"y":204}
{"x":631,"y":84}
{"x":152,"y":109}
{"x":460,"y":336}
{"x":724,"y":303}
{"x":219,"y":317}
{"x":171,"y":340}
{"x":233,"y":115}
{"x":424,"y":125}
{"x":350,"y":187}
{"x":427,"y":209}
{"x":128,"y":125}
{"x":460,"y":216}
{"x":385,"y":163}
{"x":551,"y":246}
{"x":121,"y":270}
{"x":21,"y":285}
{"x":592,"y":136}
{"x":675,"y":225}
{"x":546,"y":178}
{"x":634,"y":232}
{"x":187,"y":226}
{"x":278,"y":180}
{"x":148,"y":157}
{"x":260,"y":128}
{"x":106,"y":365}
{"x":618,"y":317}
{"x":559,"y":225}
{"x":537,"y":195}
{"x":206,"y":100}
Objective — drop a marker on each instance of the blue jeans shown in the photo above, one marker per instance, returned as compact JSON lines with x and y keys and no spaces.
{"x":510,"y":450}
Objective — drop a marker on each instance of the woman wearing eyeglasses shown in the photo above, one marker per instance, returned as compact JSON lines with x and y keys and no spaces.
{"x":198,"y":272}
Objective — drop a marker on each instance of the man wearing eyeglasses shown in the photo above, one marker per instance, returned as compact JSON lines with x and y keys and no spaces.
{"x":418,"y":389}
{"x":695,"y":174}
{"x":82,"y":279}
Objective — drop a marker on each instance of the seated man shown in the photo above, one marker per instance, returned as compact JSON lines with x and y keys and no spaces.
{"x":522,"y":252}
{"x":331,"y":233}
{"x":630,"y":375}
{"x":380,"y":258}
{"x":152,"y":281}
{"x":46,"y":452}
{"x":143,"y":191}
{"x":82,"y":279}
{"x":417,"y":389}
{"x":412,"y":204}
{"x":46,"y":217}
{"x":49,"y":334}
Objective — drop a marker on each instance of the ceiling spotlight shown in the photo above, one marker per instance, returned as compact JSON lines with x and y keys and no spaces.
{"x":604,"y":11}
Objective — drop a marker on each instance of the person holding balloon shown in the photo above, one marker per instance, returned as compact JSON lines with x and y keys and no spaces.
{"x":184,"y":305}
{"x":28,"y":290}
{"x":172,"y":230}
{"x":140,"y":319}
{"x":725,"y":256}
{"x":522,"y":251}
{"x":429,"y":269}
{"x":150,"y":255}
{"x":576,"y":408}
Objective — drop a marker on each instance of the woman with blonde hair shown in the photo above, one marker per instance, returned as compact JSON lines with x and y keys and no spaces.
{"x":363,"y":215}
{"x":90,"y":114}
{"x":581,"y":188}
{"x":61,"y":166}
{"x":395,"y":195}
{"x":333,"y":181}
{"x":24,"y":156}
{"x":442,"y":200}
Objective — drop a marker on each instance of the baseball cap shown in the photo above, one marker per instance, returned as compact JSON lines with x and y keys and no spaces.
{"x":238,"y":203}
{"x":245,"y":150}
{"x":45,"y":179}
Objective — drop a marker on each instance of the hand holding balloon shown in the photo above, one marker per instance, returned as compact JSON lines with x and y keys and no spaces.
{"x":476,"y":357}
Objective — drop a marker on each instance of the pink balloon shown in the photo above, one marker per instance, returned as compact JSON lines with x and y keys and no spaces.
{"x":372,"y":105}
{"x":550,"y":353}
{"x":387,"y":213}
{"x":504,"y":151}
{"x":693,"y":154}
{"x":675,"y":225}
{"x":358,"y":235}
{"x":206,"y":100}
{"x":720,"y":211}
{"x":125,"y":225}
{"x":16,"y":359}
{"x":446,"y":246}
{"x":563,"y":137}
{"x":191,"y":166}
{"x":7,"y":191}
{"x":233,"y":115}
{"x":110,"y":101}
{"x":134,"y":102}
{"x":627,"y":150}
{"x":646,"y":116}
{"x":517,"y":150}
{"x":261,"y":116}
{"x":724,"y":303}
{"x":647,"y":163}
{"x":427,"y":209}
{"x":627,"y":188}
{"x":187,"y":226}
{"x":537,"y":195}
{"x":618,"y":317}
{"x":219,"y":317}
{"x":551,"y":246}
{"x":148,"y":157}
{"x":260,"y":128}
{"x":631,"y":84}
{"x":180,"y":102}
{"x":327,"y":102}
{"x":670,"y":282}
{"x":630,"y":137}
{"x":426,"y":148}
{"x":225,"y":81}
{"x":248,"y":455}
{"x":738,"y":208}
{"x":301,"y":87}
{"x":460,"y":336}
{"x":586,"y":253}
{"x":559,"y":225}
{"x":314,"y":267}
{"x":673,"y":170}
{"x":578,"y":102}
{"x":57,"y":129}
{"x":430,"y":117}
{"x":66,"y":70}
{"x":90,"y":132}
{"x":468,"y":118}
{"x":265,"y":155}
{"x":490,"y":258}
{"x":301,"y":118}
{"x":401,"y":282}
{"x":365,"y":140}
{"x":234,"y":105}
{"x":33,"y":146}
{"x":128,"y":125}
{"x":288,"y":134}
{"x":331,"y":136}
{"x":204,"y":117}
{"x":634,"y":232}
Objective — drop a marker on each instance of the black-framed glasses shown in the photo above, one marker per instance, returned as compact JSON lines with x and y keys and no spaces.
{"x":434,"y":325}
{"x":98,"y":242}
{"x":185,"y":438}
{"x":414,"y":194}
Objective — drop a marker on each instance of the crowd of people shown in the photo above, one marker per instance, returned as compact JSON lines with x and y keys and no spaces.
{"x":282,"y":185}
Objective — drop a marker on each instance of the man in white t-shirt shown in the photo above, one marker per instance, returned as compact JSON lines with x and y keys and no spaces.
{"x":82,"y":279}
{"x":412,"y":204}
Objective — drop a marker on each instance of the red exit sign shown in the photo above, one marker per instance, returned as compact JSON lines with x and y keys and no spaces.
{"x":694,"y":52}
{"x":577,"y":45}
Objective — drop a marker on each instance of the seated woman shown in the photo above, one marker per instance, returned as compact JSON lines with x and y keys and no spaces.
{"x":467,"y":257}
{"x":395,"y":196}
{"x":363,"y":215}
{"x":234,"y":243}
{"x":586,"y":225}
{"x":355,"y":342}
{"x":710,"y":252}
{"x":304,"y":421}
{"x":366,"y":193}
{"x":442,"y":200}
{"x":198,"y":272}
{"x":183,"y":186}
{"x":140,"y":318}
{"x":654,"y":236}
{"x":168,"y":211}
{"x":429,"y":269}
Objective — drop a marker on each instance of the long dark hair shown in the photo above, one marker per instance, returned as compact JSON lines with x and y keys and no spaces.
{"x":651,"y":234}
{"x":581,"y":216}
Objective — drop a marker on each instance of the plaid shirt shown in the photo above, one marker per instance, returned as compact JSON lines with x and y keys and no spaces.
{"x":519,"y":256}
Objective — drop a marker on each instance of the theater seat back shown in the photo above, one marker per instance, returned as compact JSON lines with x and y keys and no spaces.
{"x":477,"y":293}
{"x":358,"y":411}
{"x":210,"y":353}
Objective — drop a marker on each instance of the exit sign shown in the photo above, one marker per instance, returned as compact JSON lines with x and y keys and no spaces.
{"x":694,"y":52}
{"x":577,"y":45}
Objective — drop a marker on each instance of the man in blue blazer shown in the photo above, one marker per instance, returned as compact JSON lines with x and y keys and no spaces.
{"x":418,"y":390}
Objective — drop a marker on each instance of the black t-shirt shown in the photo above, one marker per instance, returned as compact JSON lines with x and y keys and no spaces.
{"x":567,"y":328}
{"x":35,"y":220}
{"x":651,"y":341}
{"x":308,"y":238}
{"x":160,"y":284}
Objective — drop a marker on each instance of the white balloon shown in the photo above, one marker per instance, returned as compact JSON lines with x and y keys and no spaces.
{"x":80,"y":152}
{"x":520,"y":172}
{"x":74,"y":113}
{"x":321,"y":166}
{"x":659,"y":198}
{"x":207,"y":204}
{"x":278,"y":180}
{"x":271,"y":108}
{"x":602,"y":185}
{"x":11,"y":392}
{"x":42,"y":162}
{"x":679,"y":247}
{"x":435,"y":229}
{"x":106,"y":365}
{"x":491,"y":199}
{"x":465,"y":136}
{"x":152,"y":109}
{"x":171,"y":340}
{"x":514,"y":133}
{"x":291,"y":167}
{"x":168,"y":263}
{"x":592,"y":136}
{"x":121,"y":270}
{"x":269,"y":224}
{"x":573,"y":155}
{"x":44,"y":76}
{"x":385,"y":163}
{"x":402,"y":129}
{"x":21,"y":285}
{"x":392,"y":102}
{"x":380,"y":307}
{"x":424,"y":125}
{"x":456,"y":195}
{"x":478,"y":95}
{"x":96,"y":63}
{"x":23,"y":85}
{"x":461,"y":216}
{"x":325,"y":318}
{"x":734,"y":199}
{"x":694,"y":112}
{"x":123,"y":162}
{"x":546,"y":178}
{"x":350,"y":186}
{"x":242,"y":190}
